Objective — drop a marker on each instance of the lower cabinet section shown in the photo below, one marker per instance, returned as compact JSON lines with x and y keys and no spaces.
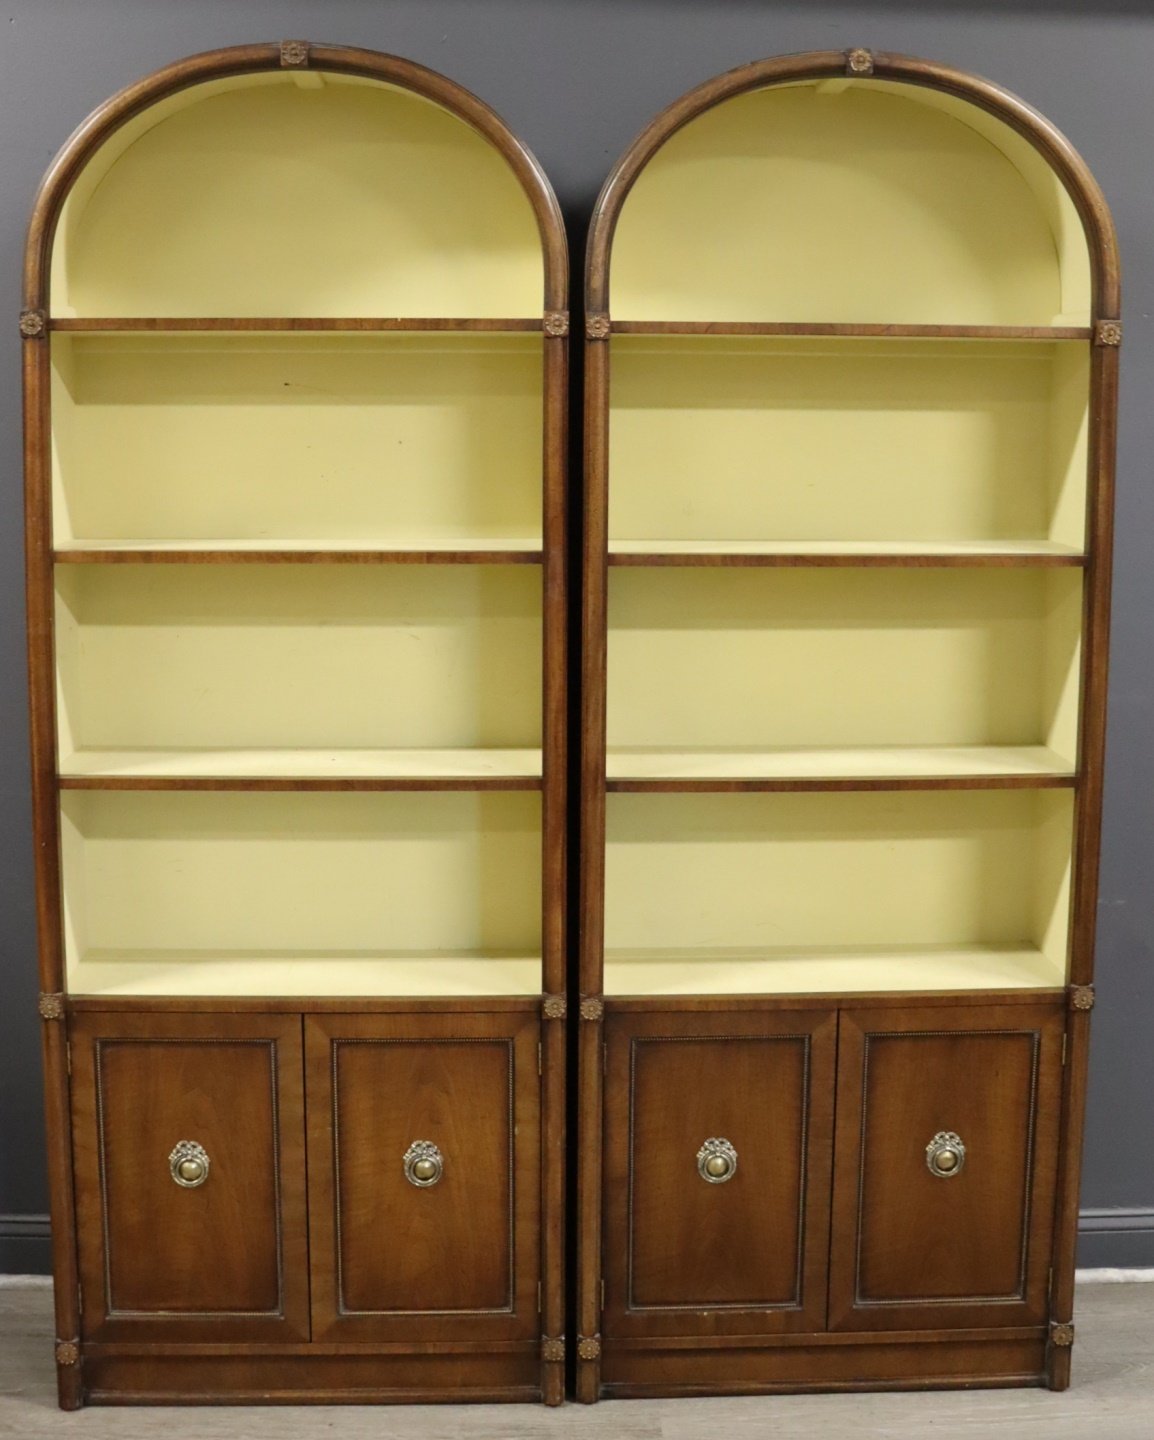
{"x":860,"y":1195}
{"x":410,"y":1270}
{"x":348,"y":1206}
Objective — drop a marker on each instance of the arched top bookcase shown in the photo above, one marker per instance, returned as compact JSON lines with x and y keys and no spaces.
{"x":852,"y":188}
{"x":294,"y":180}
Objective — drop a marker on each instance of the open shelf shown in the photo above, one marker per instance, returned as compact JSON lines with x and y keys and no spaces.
{"x":805,"y":447}
{"x":887,"y":891}
{"x":299,"y":769}
{"x":370,"y":443}
{"x":292,"y":972}
{"x":848,"y":971}
{"x":802,"y":553}
{"x":879,"y":767}
{"x":301,"y":894}
{"x":767,"y":660}
{"x":298,"y":658}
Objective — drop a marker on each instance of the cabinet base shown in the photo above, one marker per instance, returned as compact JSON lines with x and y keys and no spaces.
{"x":288,"y":1376}
{"x":809,"y":1363}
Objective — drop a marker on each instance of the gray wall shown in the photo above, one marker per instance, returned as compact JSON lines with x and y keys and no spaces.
{"x":576,"y":79}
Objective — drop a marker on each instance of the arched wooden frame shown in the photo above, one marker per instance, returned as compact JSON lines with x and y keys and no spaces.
{"x":1104,"y":336}
{"x":35,"y":325}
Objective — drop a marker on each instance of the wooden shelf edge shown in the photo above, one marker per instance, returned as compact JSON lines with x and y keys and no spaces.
{"x":153,"y":556}
{"x":827,"y":999}
{"x":304,"y":1004}
{"x":281,"y":323}
{"x":460,"y":783}
{"x":846,"y":559}
{"x":731,"y":785}
{"x":852,"y":331}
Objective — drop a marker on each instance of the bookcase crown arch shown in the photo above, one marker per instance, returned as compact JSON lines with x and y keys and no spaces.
{"x":825,"y":209}
{"x":355,"y":183}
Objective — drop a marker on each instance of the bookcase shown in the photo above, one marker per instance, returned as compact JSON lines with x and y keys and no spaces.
{"x":851,"y":357}
{"x":295,"y":374}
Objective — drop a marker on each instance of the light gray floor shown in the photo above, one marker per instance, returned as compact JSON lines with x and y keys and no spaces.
{"x":1112,"y":1399}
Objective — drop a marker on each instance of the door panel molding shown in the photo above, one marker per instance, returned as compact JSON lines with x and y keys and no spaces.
{"x":505,"y":1045}
{"x":448,"y":1245}
{"x":795,"y":1301}
{"x":1001,"y":1069}
{"x":256,"y":1204}
{"x":649,"y":1140}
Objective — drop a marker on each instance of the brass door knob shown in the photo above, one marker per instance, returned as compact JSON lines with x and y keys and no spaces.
{"x":188,"y":1164}
{"x":945,"y":1154}
{"x":424,"y":1164}
{"x":717,"y":1161}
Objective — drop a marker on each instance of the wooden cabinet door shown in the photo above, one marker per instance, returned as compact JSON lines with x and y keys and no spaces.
{"x":690,"y":1254}
{"x":968,"y":1246}
{"x":220,"y":1250}
{"x":450,"y":1253}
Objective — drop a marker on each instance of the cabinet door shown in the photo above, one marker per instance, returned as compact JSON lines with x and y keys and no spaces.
{"x":947,"y":1137}
{"x":424,"y":1175}
{"x":188,"y":1134}
{"x":718,"y":1133}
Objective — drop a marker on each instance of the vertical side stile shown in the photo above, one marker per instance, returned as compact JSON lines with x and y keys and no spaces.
{"x":1087,"y":831}
{"x":553,"y":928}
{"x":592,"y":888}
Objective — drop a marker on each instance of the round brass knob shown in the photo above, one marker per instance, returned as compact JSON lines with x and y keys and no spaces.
{"x":424,"y":1164}
{"x":945,"y":1154}
{"x":188,"y":1164}
{"x":717,"y":1161}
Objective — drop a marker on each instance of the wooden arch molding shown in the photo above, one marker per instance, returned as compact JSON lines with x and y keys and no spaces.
{"x":1083,"y":189}
{"x":106,"y":119}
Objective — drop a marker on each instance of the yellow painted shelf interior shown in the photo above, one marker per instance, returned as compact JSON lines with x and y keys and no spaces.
{"x":913,"y":891}
{"x":298,"y":658}
{"x":880,"y":762}
{"x":814,"y":445}
{"x":285,"y":195}
{"x":320,"y":441}
{"x":845,"y":201}
{"x":297,"y":194}
{"x":412,"y":763}
{"x":860,"y":201}
{"x":768,"y":660}
{"x":268,"y":894}
{"x":817,"y":550}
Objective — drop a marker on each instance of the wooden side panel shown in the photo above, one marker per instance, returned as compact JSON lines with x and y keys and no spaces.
{"x":914,"y":1249}
{"x":686,"y":1255}
{"x":457,"y":1258}
{"x":226,"y":1259}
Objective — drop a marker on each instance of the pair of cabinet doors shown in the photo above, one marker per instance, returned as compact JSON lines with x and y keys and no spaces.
{"x":311,"y":1227}
{"x":831,"y":1216}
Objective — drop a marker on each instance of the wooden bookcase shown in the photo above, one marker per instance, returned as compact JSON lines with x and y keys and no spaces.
{"x":295,"y":379}
{"x":851,"y":365}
